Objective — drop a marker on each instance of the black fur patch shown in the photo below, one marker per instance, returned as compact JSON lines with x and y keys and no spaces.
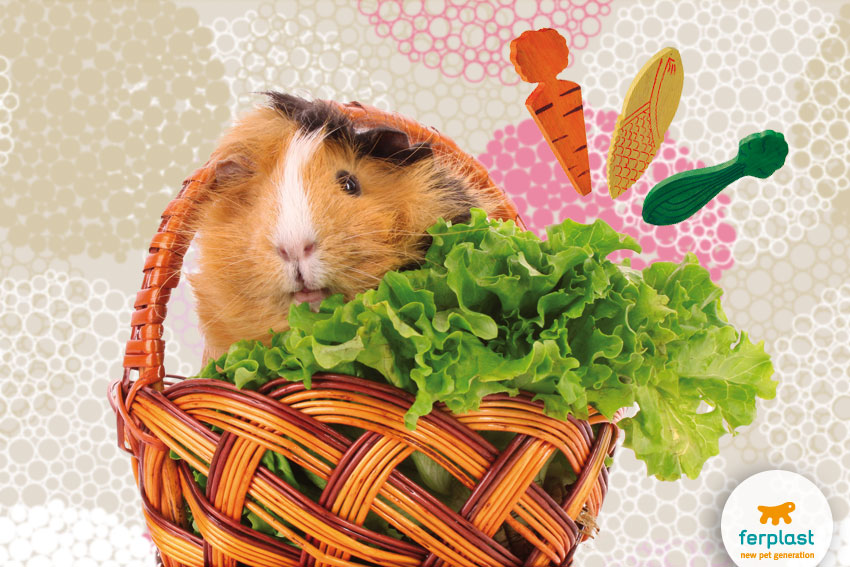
{"x":290,"y":105}
{"x":392,"y":145}
{"x":382,"y":143}
{"x":313,"y":115}
{"x":457,"y":192}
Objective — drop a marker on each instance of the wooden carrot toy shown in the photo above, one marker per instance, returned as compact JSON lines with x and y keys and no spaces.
{"x":538,"y":56}
{"x":680,"y":196}
{"x":649,"y":107}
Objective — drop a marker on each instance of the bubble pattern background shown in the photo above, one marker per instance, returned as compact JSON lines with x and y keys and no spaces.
{"x":61,"y":337}
{"x":119,"y":101}
{"x":472,"y":40}
{"x":8,"y":103}
{"x":57,"y":534}
{"x":125,"y":99}
{"x":814,"y":363}
{"x":823,"y":95}
{"x":295,"y":50}
{"x":299,"y":48}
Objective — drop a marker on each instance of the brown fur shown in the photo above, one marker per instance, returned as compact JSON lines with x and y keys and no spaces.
{"x":240,"y":285}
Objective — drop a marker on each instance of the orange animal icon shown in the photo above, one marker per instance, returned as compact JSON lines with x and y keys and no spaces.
{"x":776,"y":513}
{"x":538,"y":56}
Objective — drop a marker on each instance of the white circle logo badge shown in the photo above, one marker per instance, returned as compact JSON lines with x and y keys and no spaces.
{"x":778,"y":518}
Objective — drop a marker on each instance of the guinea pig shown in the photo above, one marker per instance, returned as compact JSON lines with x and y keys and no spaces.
{"x":305,"y":204}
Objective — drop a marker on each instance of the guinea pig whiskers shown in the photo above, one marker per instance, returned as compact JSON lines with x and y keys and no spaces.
{"x":352,"y":269}
{"x":359,"y":234}
{"x":214,"y":197}
{"x":386,"y":230}
{"x":174,"y":274}
{"x":222,"y":309}
{"x":350,"y":283}
{"x":404,"y":233}
{"x":366,"y":274}
{"x":233,"y":263}
{"x":457,"y":231}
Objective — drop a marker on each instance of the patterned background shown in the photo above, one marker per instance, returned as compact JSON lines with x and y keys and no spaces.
{"x":106,"y":106}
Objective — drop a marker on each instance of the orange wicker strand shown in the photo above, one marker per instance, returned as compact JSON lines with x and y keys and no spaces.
{"x":158,"y":414}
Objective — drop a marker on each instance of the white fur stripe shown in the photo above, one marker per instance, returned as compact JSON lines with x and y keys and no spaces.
{"x":296,"y":224}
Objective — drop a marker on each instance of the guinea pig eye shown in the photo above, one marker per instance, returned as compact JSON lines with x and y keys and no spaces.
{"x":348,"y":182}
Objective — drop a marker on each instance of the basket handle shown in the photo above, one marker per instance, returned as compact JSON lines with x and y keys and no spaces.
{"x":145,"y":350}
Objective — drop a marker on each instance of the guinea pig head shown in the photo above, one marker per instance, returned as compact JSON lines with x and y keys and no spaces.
{"x":303,"y":205}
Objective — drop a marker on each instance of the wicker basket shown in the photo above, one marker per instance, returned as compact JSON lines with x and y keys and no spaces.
{"x":158,"y":412}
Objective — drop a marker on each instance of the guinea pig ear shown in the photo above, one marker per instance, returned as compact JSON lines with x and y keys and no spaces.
{"x":417,"y":152}
{"x":231,"y":170}
{"x":392,"y":145}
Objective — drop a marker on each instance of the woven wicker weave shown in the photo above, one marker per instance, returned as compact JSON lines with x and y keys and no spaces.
{"x":157,"y":413}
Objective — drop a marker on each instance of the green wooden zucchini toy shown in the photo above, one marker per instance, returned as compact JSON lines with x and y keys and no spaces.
{"x":680,"y":196}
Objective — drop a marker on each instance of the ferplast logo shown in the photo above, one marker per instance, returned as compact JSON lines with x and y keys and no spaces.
{"x":757,"y":521}
{"x":787,"y":538}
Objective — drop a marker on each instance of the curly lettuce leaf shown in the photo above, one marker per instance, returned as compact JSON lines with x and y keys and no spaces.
{"x":708,"y":383}
{"x":496,"y":310}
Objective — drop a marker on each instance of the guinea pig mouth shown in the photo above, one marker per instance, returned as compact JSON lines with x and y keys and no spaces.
{"x":310,"y":295}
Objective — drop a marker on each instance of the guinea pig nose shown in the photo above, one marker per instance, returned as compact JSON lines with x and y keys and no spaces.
{"x":297,"y":252}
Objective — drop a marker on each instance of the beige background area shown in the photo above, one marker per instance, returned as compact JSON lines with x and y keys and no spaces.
{"x":106,"y":106}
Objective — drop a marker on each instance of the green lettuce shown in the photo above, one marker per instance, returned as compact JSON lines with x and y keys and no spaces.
{"x":495,"y":309}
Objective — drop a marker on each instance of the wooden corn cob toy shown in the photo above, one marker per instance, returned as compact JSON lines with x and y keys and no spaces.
{"x":649,"y":107}
{"x":556,"y":106}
